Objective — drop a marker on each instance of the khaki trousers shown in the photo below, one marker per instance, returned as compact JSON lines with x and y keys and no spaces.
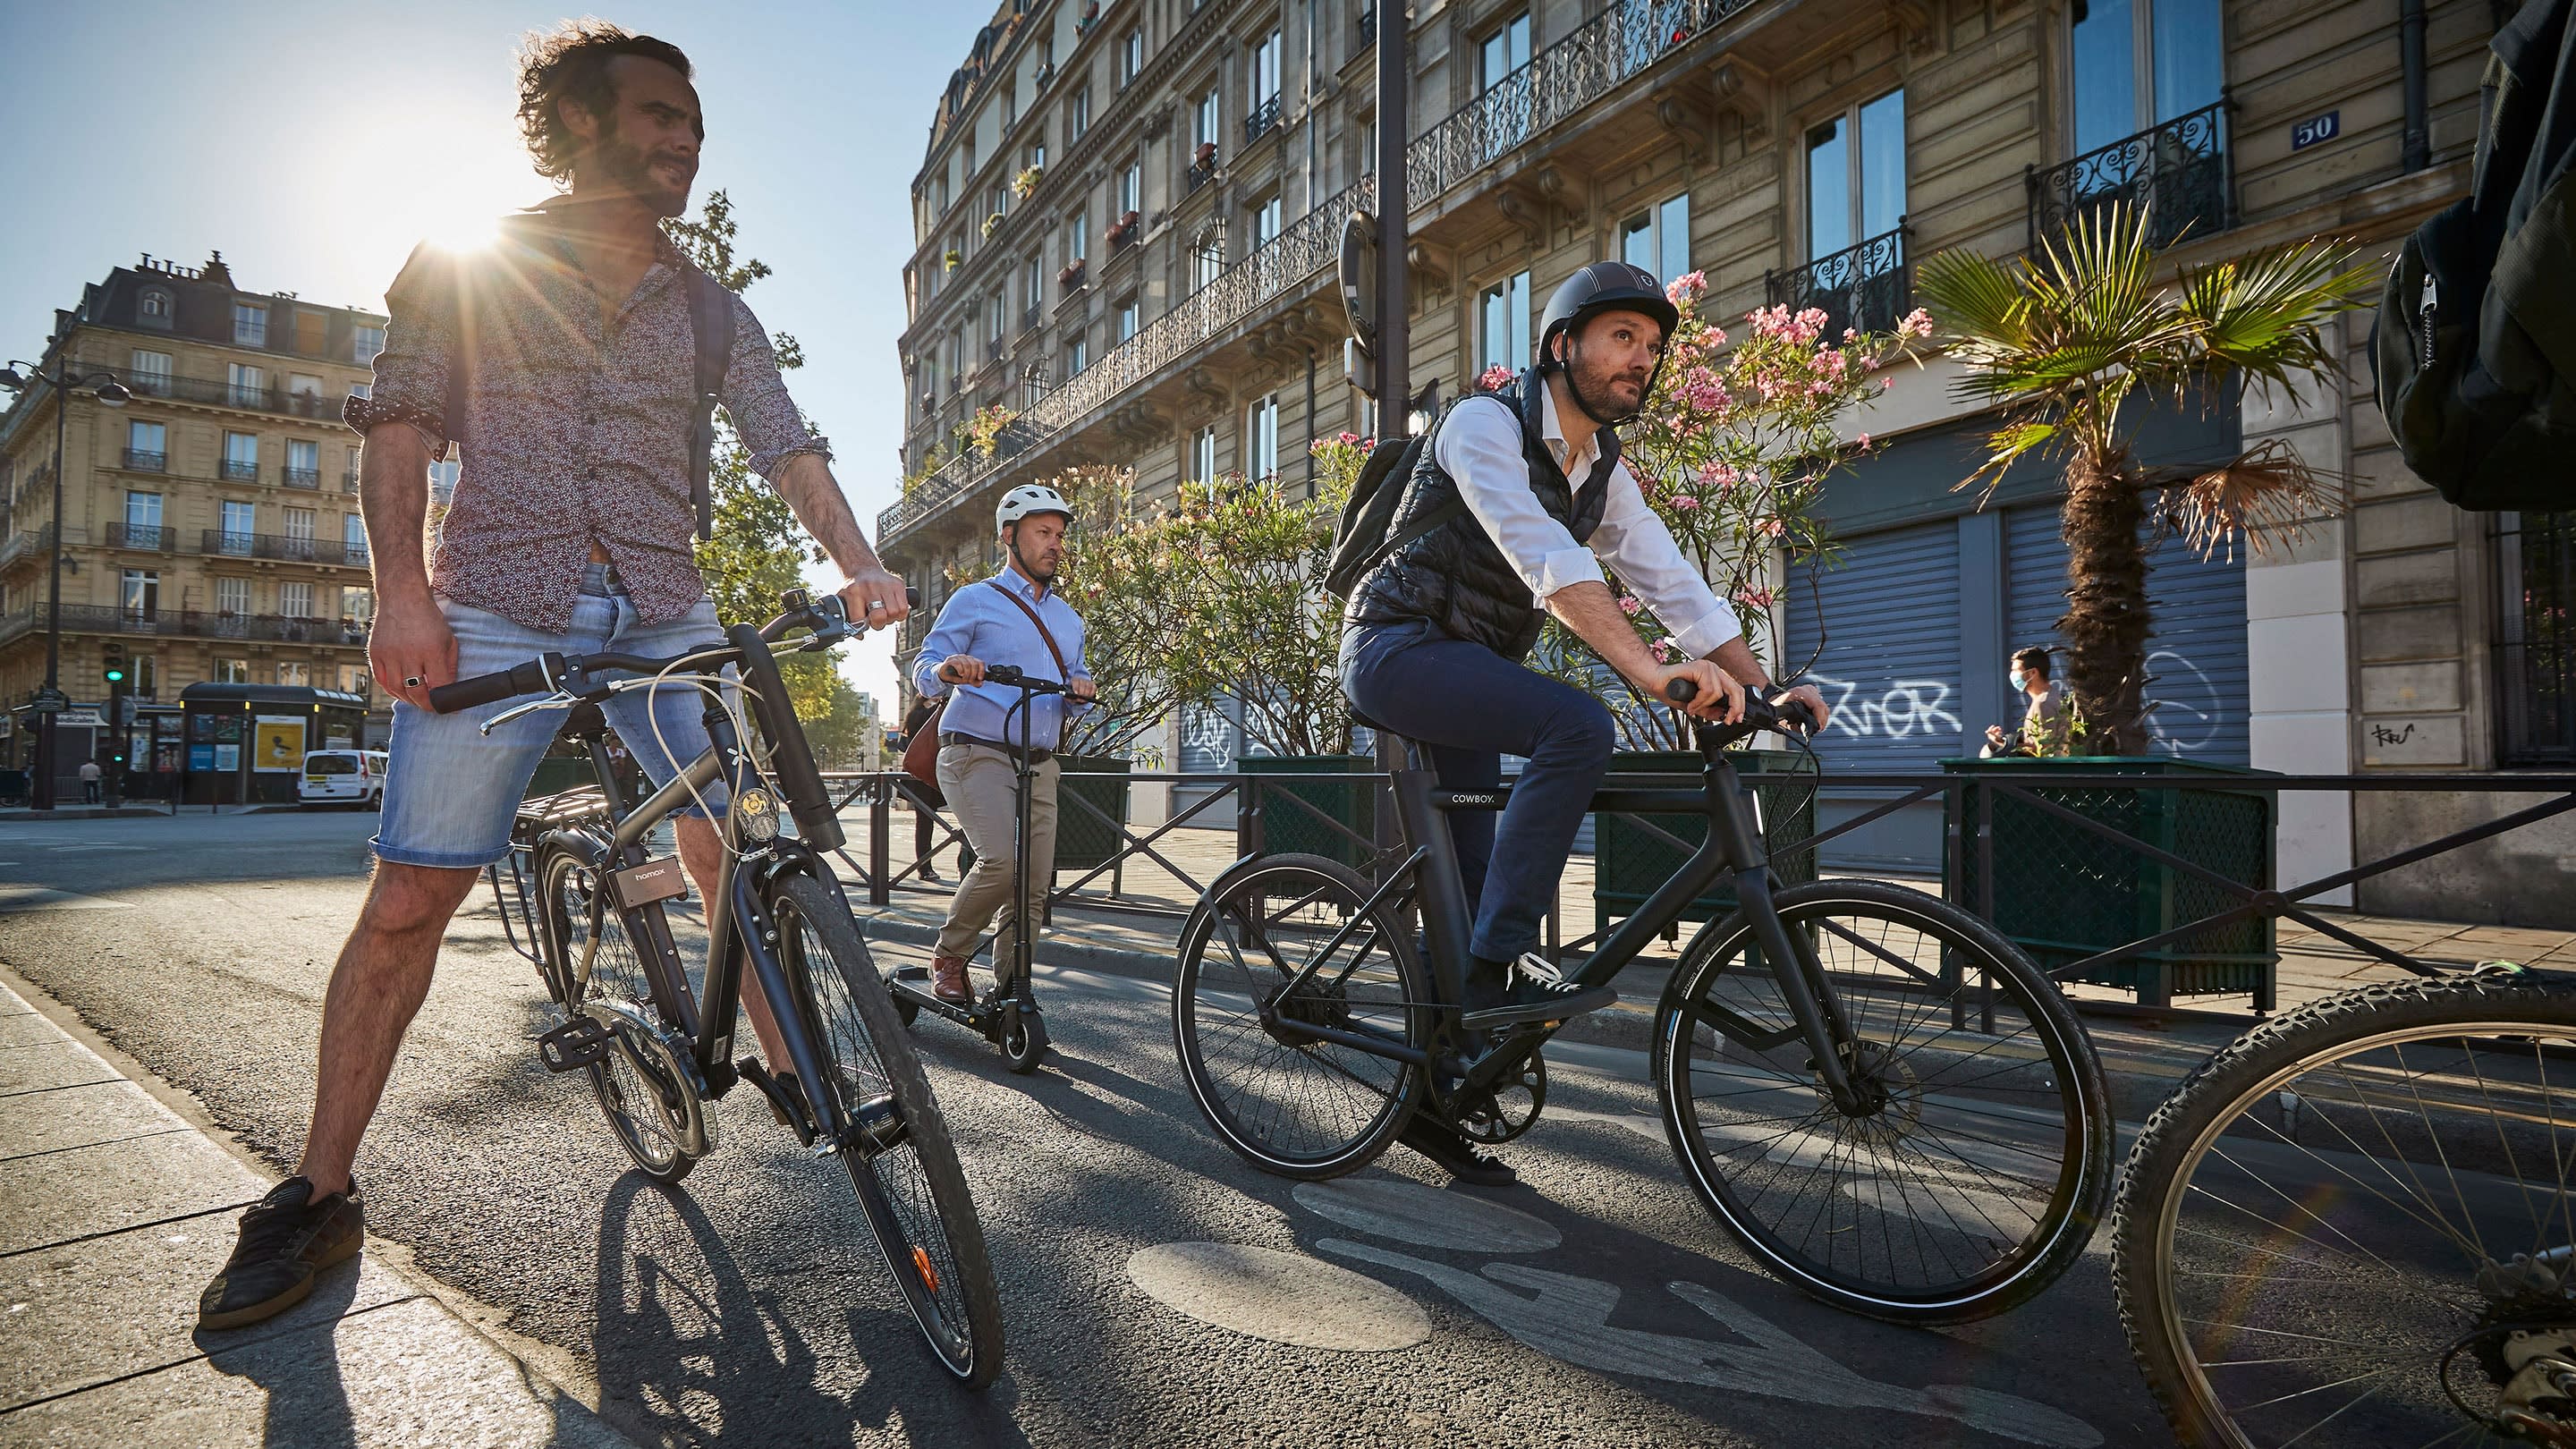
{"x":981,"y":783}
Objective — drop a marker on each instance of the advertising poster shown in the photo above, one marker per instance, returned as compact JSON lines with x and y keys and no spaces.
{"x":227,"y":759}
{"x":277,"y":743}
{"x":201,"y":758}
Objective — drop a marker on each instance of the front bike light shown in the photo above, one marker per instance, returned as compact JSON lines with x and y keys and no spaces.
{"x":755,"y":816}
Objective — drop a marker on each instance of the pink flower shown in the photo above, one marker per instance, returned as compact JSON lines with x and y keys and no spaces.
{"x":1667,"y":649}
{"x":1630,"y":605}
{"x":1719,"y":474}
{"x":1494,"y":378}
{"x":1917,"y":323}
{"x":1687,"y":288}
{"x":1885,"y":383}
{"x":1774,"y":527}
{"x":1686,"y":504}
{"x":1755,"y":598}
{"x":1864,"y":442}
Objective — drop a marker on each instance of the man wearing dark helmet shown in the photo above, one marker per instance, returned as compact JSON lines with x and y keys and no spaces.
{"x":1434,"y":636}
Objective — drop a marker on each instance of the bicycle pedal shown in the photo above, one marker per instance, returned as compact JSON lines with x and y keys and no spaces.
{"x":790,"y":1114}
{"x":578,"y":1043}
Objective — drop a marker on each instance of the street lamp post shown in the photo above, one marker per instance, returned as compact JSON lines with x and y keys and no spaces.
{"x":65,"y":381}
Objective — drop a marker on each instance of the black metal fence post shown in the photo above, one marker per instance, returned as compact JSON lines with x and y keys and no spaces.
{"x":880,"y":847}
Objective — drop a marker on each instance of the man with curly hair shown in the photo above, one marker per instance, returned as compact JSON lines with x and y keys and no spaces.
{"x":565,"y":362}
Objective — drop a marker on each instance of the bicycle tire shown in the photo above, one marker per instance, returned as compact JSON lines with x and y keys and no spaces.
{"x":2269,"y":1097}
{"x":566,"y":880}
{"x":1209,"y":1019}
{"x":913,"y":1192}
{"x":1921,"y":1173}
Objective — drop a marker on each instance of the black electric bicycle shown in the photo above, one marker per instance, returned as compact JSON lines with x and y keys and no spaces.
{"x":1007,"y":1016}
{"x":1876,"y":1093}
{"x":655,"y":1051}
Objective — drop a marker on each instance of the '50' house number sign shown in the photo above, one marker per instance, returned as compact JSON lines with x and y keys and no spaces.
{"x":2315,"y":129}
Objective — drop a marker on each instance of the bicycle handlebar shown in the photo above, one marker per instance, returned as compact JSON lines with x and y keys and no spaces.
{"x":826,"y":617}
{"x":1788,"y":716}
{"x":1018,"y":678}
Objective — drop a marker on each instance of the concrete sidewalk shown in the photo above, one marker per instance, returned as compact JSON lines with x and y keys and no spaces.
{"x":114,"y":1210}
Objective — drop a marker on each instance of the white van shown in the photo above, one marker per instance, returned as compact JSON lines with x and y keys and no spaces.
{"x":342,"y":777}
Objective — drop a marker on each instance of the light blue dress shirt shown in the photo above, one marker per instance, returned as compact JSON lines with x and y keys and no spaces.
{"x":977,"y":620}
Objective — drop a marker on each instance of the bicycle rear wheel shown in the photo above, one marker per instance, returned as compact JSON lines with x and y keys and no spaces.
{"x":2326,"y":1217}
{"x":1978,"y":1180}
{"x":631,"y":1082}
{"x":1285,"y":1101}
{"x":893,"y":1139}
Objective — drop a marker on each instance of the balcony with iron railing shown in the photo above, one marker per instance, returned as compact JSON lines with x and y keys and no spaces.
{"x":301,"y":477}
{"x":225,"y":393}
{"x":26,"y":543}
{"x":349,"y":480}
{"x":282,"y":548}
{"x":1263,"y":117}
{"x":1867,"y":286}
{"x":2179,"y":173}
{"x":143,"y":537}
{"x":1368,"y":24}
{"x":140,"y":461}
{"x":189,"y":624}
{"x":235,"y":470}
{"x":1598,"y":58}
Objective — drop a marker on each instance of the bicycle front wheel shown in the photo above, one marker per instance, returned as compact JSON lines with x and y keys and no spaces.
{"x":2352,"y":1226}
{"x":1973,"y":1177}
{"x":893,"y":1138}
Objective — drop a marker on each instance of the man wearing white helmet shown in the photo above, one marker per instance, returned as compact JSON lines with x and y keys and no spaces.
{"x":1014,"y":618}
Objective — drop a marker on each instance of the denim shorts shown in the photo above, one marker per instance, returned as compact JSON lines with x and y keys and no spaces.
{"x":452,"y":792}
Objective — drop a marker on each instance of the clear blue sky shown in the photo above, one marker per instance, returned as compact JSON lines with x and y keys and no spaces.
{"x":314,"y":143}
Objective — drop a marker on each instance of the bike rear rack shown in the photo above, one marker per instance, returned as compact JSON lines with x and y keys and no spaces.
{"x":535,"y":818}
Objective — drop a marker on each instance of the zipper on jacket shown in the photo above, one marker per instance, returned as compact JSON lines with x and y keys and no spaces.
{"x":2426,"y":307}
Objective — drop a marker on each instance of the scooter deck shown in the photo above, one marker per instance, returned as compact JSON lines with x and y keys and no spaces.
{"x":912,"y":983}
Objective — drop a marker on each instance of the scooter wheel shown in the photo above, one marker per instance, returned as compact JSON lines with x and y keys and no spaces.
{"x":1024,"y":1039}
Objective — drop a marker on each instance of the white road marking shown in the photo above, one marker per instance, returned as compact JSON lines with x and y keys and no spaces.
{"x":100,"y":845}
{"x":1567,"y":1318}
{"x":39,"y":898}
{"x":1409,"y":1212}
{"x":1281,"y":1297}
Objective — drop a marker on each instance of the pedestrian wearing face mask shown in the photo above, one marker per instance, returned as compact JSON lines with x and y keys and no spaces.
{"x":2047,"y":717}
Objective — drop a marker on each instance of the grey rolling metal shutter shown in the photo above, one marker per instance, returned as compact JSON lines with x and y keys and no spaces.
{"x":2197,"y":674}
{"x":1888,"y":622}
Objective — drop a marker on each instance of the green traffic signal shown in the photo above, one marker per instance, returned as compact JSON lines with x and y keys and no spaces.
{"x":116,"y":676}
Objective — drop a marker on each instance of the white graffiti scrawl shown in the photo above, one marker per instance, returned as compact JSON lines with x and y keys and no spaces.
{"x":1910,"y":707}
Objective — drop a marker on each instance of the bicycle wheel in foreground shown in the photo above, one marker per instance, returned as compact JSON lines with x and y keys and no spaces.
{"x":895,"y":1142}
{"x":1287,"y":1102}
{"x":2352,"y":1226}
{"x":1976,"y":1175}
{"x":634,"y":1094}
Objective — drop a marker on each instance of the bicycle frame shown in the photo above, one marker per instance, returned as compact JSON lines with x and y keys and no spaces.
{"x":1733,"y":844}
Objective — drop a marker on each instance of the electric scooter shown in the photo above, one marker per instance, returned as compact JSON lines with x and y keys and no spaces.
{"x":1007,"y":1016}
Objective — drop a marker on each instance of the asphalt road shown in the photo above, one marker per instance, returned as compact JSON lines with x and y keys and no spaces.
{"x":1602,"y":1308}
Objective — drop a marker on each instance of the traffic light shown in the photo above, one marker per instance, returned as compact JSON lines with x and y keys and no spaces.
{"x":115,"y":654}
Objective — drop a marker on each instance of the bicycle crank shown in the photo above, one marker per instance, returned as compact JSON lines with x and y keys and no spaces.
{"x":1511,"y":1108}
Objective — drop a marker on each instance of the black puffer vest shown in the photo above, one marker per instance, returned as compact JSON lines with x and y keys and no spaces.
{"x":1457,"y":577}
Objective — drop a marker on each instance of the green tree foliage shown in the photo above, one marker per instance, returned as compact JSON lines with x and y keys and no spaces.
{"x":759,"y":549}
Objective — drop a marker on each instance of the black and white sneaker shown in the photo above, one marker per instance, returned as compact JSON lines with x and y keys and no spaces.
{"x":1535,"y":990}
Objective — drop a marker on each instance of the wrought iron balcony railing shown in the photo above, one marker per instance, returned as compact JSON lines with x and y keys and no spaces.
{"x":1368,"y":24}
{"x":233,"y":470}
{"x":301,"y":477}
{"x":144,"y":462}
{"x":1263,"y":117}
{"x":2180,"y":174}
{"x":282,"y":547}
{"x":1562,"y":80}
{"x":226,"y":393}
{"x":25,"y":543}
{"x":193,"y":624}
{"x":349,"y":480}
{"x":149,"y":537}
{"x":1868,"y":286}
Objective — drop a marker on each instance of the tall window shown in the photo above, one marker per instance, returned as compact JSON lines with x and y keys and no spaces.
{"x":1261,"y":438}
{"x":2536,"y":578}
{"x":250,"y":324}
{"x":358,"y":605}
{"x":1264,"y":71}
{"x":365,"y":342}
{"x":232,"y":595}
{"x":154,"y":308}
{"x":997,"y":321}
{"x":1368,"y":147}
{"x":240,"y":524}
{"x":147,"y":445}
{"x":1077,"y":116}
{"x":232,"y":671}
{"x":142,"y":519}
{"x":1032,"y":287}
{"x":1203,"y":455}
{"x":1265,"y":224}
{"x":295,"y":599}
{"x":1126,"y":319}
{"x":140,"y":594}
{"x":1131,"y":55}
{"x":241,"y":457}
{"x":303,"y":463}
{"x":248,"y":385}
{"x":299,"y":529}
{"x":1204,"y":121}
{"x":1856,"y":175}
{"x":1077,"y":237}
{"x":353,"y":540}
{"x":1131,"y":188}
{"x":1207,"y":258}
{"x":1658,"y":238}
{"x":149,"y":371}
{"x":294,"y":672}
{"x":1503,"y":323}
{"x":2141,"y":63}
{"x":1077,"y":356}
{"x":1504,"y":51}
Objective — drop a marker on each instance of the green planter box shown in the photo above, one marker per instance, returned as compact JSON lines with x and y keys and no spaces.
{"x":1630,"y":862}
{"x":2063,"y":893}
{"x":1082,"y":839}
{"x":1270,"y":821}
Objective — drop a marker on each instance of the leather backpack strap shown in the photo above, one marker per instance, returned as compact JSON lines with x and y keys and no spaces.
{"x":1063,"y":675}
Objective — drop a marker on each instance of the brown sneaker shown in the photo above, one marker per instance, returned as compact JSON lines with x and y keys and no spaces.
{"x":286,"y":1241}
{"x":948,"y":979}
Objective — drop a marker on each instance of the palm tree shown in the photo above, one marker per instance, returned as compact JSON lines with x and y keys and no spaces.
{"x":2065,"y":337}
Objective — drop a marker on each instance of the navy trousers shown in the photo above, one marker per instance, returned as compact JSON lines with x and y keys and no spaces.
{"x":1469,"y":706}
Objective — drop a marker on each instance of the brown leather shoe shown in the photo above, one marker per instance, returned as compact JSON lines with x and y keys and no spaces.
{"x":948,"y":979}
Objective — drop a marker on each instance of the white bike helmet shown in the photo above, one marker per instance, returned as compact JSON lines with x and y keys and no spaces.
{"x":1029,"y":498}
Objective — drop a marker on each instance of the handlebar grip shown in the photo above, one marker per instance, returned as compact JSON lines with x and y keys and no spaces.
{"x":1003,"y":674}
{"x":525,"y":678}
{"x":1681,"y":691}
{"x":911,"y":597}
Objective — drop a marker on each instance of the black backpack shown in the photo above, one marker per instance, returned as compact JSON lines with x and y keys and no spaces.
{"x":1360,"y":535}
{"x":2471,"y":348}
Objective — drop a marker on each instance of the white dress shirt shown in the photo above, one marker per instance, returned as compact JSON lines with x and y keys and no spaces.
{"x":1479,"y":445}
